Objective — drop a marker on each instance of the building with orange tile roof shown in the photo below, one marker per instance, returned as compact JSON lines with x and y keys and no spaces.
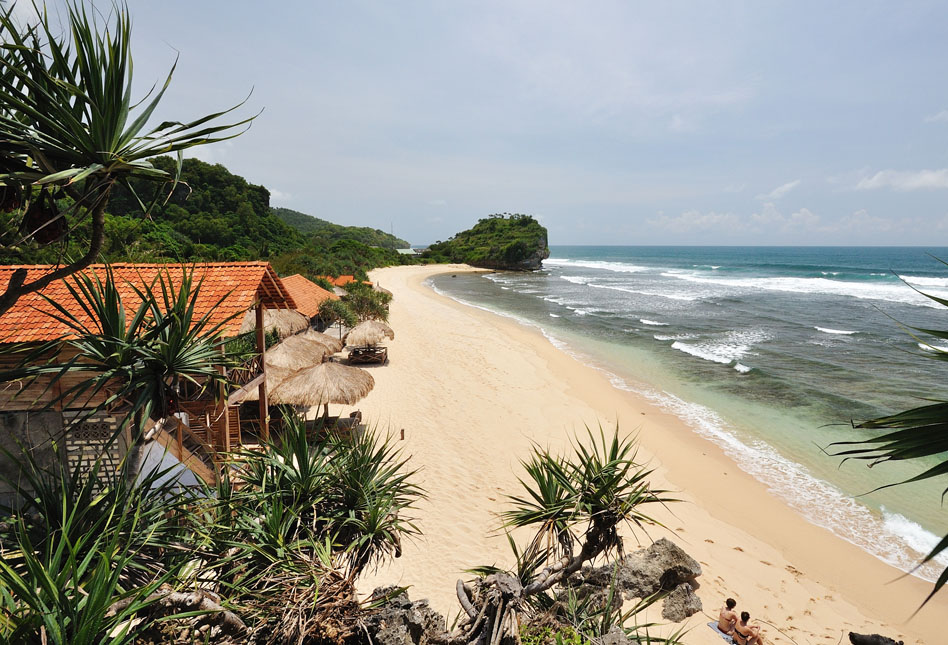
{"x":33,"y":415}
{"x":228,"y":289}
{"x":307,"y":295}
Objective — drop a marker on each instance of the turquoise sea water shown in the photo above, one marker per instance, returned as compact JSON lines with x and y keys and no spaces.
{"x":768,"y":352}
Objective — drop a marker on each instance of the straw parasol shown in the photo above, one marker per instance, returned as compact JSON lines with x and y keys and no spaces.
{"x":275,"y":376}
{"x":324,"y":384}
{"x":297,"y":352}
{"x":370,"y":332}
{"x":286,"y":321}
{"x":332,"y":344}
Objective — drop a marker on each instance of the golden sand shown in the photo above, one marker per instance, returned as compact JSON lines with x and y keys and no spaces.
{"x":472,"y":391}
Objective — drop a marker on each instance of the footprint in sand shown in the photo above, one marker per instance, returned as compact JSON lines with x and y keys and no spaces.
{"x":767,"y":563}
{"x":709,"y":541}
{"x":792,"y":569}
{"x":737,"y":548}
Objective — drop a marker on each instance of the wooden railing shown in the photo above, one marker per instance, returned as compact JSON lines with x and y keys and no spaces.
{"x":246,"y":372}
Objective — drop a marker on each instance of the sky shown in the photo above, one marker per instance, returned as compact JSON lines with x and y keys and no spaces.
{"x":757,"y":123}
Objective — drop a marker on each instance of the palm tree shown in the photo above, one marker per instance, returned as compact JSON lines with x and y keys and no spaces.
{"x":916,"y":435}
{"x":71,"y":132}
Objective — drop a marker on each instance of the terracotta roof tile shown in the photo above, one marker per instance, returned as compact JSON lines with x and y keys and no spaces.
{"x":241,"y":284}
{"x":307,"y":294}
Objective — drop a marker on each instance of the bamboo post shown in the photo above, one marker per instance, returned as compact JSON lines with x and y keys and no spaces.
{"x":262,"y":388}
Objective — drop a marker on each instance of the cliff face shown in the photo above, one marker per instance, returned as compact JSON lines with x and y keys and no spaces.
{"x":512,"y":243}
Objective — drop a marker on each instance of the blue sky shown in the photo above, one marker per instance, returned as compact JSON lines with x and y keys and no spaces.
{"x":612,"y":122}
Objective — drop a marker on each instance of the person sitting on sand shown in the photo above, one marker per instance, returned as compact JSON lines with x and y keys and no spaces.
{"x":745,"y":634}
{"x":727,"y":617}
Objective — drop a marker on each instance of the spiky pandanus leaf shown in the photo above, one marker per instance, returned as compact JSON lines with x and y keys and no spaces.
{"x":920,"y":433}
{"x":68,"y":122}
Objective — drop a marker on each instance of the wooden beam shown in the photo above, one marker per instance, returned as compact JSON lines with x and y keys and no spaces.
{"x":241,"y":393}
{"x":262,"y":387}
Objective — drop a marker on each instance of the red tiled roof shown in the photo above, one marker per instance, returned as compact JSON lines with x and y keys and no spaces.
{"x":342,"y":280}
{"x":307,"y":295}
{"x":243,"y":284}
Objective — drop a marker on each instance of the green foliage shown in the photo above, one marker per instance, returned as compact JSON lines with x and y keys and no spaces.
{"x":367,"y":303}
{"x":919,"y":435}
{"x":496,"y":242}
{"x":307,"y":224}
{"x":350,"y":493}
{"x":82,"y":542}
{"x":70,"y":132}
{"x":332,"y":311}
{"x":585,"y":496}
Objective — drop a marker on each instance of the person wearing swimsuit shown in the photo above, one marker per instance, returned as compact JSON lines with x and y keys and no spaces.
{"x":745,"y":634}
{"x":727,"y":617}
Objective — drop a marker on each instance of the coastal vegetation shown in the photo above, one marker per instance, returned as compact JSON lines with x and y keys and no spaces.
{"x":72,"y":135}
{"x":500,"y":241}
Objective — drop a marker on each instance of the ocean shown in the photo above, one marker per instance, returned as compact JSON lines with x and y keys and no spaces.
{"x":769,"y":352}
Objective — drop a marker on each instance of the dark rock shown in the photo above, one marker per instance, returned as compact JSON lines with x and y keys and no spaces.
{"x":399,"y":621}
{"x":681,"y":603}
{"x":661,"y":567}
{"x":871,"y":639}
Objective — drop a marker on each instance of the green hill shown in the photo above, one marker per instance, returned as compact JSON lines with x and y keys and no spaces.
{"x":215,"y":215}
{"x":308,"y":224}
{"x":513,"y":242}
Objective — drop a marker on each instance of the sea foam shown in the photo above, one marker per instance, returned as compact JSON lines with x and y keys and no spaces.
{"x":889,"y":292}
{"x":826,"y":330}
{"x":653,"y":323}
{"x":617,"y":267}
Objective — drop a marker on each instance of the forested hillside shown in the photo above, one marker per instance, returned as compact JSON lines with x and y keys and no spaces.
{"x":334,"y":232}
{"x":214,"y":214}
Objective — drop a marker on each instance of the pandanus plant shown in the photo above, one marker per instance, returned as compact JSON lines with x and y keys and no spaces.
{"x":919,"y":436}
{"x":70,"y":128}
{"x":576,"y":505}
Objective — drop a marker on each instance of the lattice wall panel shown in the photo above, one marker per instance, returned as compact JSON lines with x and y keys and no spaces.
{"x":89,"y":439}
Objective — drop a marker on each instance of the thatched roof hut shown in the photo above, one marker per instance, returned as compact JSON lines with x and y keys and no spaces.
{"x":370,"y":332}
{"x":297,"y":352}
{"x":286,"y":322}
{"x":323,"y":384}
{"x":332,"y":344}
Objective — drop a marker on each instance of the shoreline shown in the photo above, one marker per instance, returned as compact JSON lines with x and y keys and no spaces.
{"x":463,"y":382}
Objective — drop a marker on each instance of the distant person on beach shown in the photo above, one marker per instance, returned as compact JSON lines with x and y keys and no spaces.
{"x":727,"y":617}
{"x":745,"y":634}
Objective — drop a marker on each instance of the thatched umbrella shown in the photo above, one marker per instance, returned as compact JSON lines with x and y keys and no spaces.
{"x":275,"y":376}
{"x":296,"y":352}
{"x":370,"y":332}
{"x":332,"y":344}
{"x":324,"y":384}
{"x":286,"y":322}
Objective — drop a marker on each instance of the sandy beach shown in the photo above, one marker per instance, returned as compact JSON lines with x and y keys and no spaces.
{"x":473,"y":390}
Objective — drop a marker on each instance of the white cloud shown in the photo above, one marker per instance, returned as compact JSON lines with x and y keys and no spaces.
{"x":279,"y":195}
{"x":734,"y":188}
{"x":780,"y":191}
{"x":904,"y":180}
{"x":693,"y":220}
{"x":769,"y":219}
{"x":941,"y":117}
